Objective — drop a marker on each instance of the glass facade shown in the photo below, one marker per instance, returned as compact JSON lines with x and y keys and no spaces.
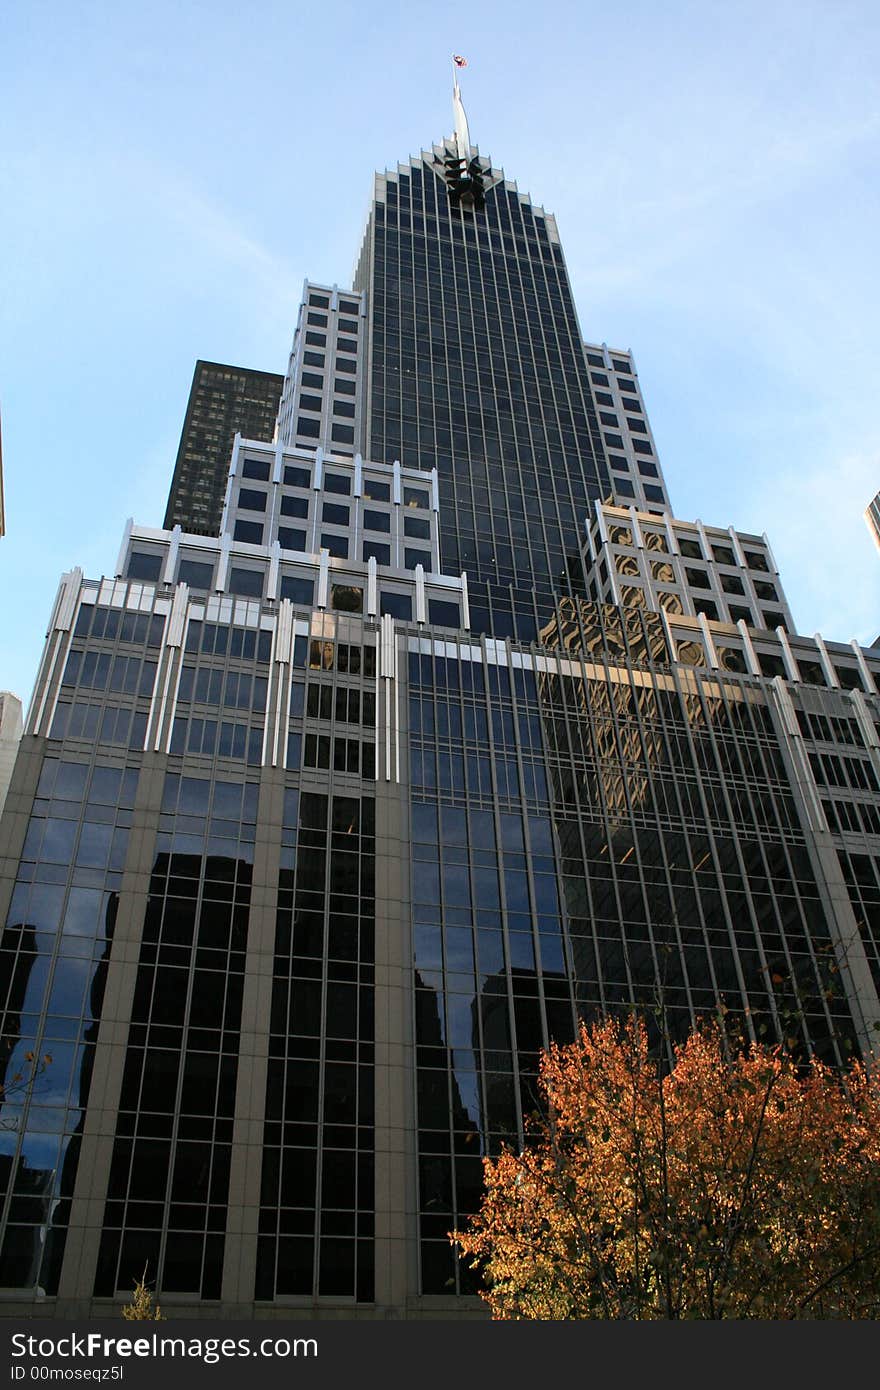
{"x":477,"y":366}
{"x":169,"y":1174}
{"x":54,"y":952}
{"x":318,"y":1178}
{"x":589,"y":836}
{"x":573,"y":827}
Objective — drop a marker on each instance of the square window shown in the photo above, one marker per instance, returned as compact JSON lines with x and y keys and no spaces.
{"x":698,"y":579}
{"x":376,"y":521}
{"x":732,"y":659}
{"x":641,"y":446}
{"x":632,"y":596}
{"x":375,"y":550}
{"x":620,"y":365}
{"x":443,"y":613}
{"x":770,"y":664}
{"x":297,"y":477}
{"x":313,"y":359}
{"x":725,"y":556}
{"x":624,"y":487}
{"x":342,"y":434}
{"x":415,"y":497}
{"x":250,"y":500}
{"x":310,"y":403}
{"x":247,"y":583}
{"x":295,"y":506}
{"x":653,"y":492}
{"x":344,"y":364}
{"x":614,"y":441}
{"x":337,"y":482}
{"x":741,"y":615}
{"x":599,"y":378}
{"x":298,"y":589}
{"x":318,"y":320}
{"x":346,"y":598}
{"x":765,"y":590}
{"x":143,"y":565}
{"x":258,"y":469}
{"x":337,"y":545}
{"x":312,"y":379}
{"x":773,"y":619}
{"x":346,"y":345}
{"x":732,"y":584}
{"x":411,"y":558}
{"x":396,"y":605}
{"x":756,"y":561}
{"x":811,"y":672}
{"x":418,"y":527}
{"x":316,"y":339}
{"x":595,"y":360}
{"x":249,"y":531}
{"x":691,"y":653}
{"x":608,"y":418}
{"x":198,"y":574}
{"x":345,"y":388}
{"x":376,"y":491}
{"x":647,"y":468}
{"x":344,"y":408}
{"x":319,"y":301}
{"x":336,"y":513}
{"x":671,"y":602}
{"x":619,"y":462}
{"x":690,"y":549}
{"x":310,"y":428}
{"x":291,"y":538}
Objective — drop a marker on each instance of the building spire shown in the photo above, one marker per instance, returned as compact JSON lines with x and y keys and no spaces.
{"x":464,"y":176}
{"x":462,"y":134}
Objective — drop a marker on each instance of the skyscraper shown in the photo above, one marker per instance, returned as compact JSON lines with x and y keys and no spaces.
{"x":324,"y":825}
{"x":223,"y":400}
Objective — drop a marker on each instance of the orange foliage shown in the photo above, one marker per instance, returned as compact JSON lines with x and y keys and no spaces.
{"x":736,"y":1185}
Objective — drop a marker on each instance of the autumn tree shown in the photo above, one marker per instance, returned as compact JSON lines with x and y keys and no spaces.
{"x":735,"y":1183}
{"x":142,"y":1308}
{"x":14,"y":1090}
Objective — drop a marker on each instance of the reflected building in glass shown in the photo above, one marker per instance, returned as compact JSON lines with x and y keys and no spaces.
{"x":324,"y":825}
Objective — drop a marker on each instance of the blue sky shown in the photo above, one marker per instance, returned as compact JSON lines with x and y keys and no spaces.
{"x":170,"y":174}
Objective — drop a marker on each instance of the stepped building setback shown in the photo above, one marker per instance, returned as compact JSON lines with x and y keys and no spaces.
{"x":422,"y":729}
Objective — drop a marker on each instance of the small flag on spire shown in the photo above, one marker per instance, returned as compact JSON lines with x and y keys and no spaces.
{"x":459,"y":61}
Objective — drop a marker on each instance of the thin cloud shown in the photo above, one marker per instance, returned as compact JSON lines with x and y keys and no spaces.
{"x":712,"y":185}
